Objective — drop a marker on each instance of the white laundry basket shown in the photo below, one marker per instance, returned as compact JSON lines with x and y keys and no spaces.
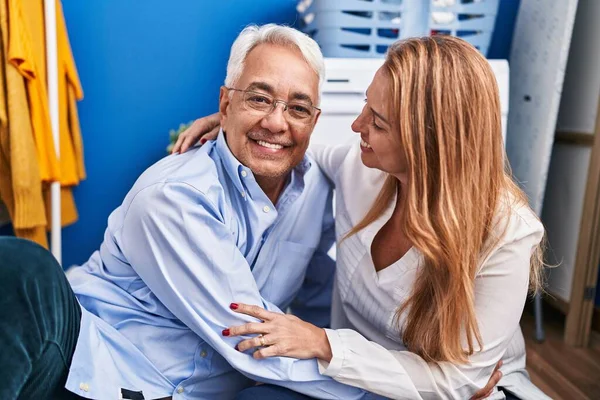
{"x":365,"y":28}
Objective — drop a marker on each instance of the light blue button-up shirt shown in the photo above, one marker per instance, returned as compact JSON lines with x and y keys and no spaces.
{"x":194,"y":234}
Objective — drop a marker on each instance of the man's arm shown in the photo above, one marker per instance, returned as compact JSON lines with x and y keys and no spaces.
{"x":313,"y":302}
{"x":174,"y":238}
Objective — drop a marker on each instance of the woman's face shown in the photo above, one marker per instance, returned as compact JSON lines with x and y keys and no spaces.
{"x":380,"y":146}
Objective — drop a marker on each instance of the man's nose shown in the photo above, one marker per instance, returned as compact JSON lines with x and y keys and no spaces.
{"x":275,"y":121}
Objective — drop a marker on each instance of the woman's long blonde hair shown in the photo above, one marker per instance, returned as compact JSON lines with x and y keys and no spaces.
{"x":446,"y":109}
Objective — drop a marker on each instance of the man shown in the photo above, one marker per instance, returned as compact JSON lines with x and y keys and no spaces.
{"x":237,"y":220}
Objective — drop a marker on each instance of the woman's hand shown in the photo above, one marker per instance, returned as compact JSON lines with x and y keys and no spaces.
{"x":280,"y":335}
{"x":489,"y":387}
{"x":203,"y":129}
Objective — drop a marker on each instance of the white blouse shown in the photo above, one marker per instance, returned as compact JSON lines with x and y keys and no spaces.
{"x":366,"y":340}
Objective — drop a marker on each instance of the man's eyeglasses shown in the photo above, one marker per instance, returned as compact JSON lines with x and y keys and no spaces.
{"x":300,"y":113}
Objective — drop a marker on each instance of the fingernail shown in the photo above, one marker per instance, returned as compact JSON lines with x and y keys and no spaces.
{"x":202,"y":141}
{"x":234,"y":306}
{"x":225,"y":332}
{"x":237,"y":348}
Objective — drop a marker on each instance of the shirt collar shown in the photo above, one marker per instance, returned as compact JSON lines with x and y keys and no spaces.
{"x":237,"y":171}
{"x":233,"y":167}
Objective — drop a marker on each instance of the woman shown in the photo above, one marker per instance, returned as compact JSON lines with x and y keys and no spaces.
{"x":437,"y":247}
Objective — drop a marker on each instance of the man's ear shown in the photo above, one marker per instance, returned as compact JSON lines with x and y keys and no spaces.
{"x":224,"y":101}
{"x":312,"y":130}
{"x":317,"y":120}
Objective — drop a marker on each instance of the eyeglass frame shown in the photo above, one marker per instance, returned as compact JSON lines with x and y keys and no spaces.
{"x":275,"y":101}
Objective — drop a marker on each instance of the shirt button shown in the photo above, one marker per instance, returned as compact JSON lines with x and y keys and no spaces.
{"x":266,"y":209}
{"x":203,"y":354}
{"x":243,"y":194}
{"x":244,"y":173}
{"x":84,"y":386}
{"x":180,"y":389}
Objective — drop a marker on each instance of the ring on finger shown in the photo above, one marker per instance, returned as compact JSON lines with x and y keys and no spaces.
{"x":262,"y":340}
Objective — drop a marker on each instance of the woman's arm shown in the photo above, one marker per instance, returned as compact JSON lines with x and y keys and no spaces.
{"x":329,"y":158}
{"x":500,"y":293}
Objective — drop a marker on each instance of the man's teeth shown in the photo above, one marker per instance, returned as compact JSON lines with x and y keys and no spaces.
{"x":269,"y":145}
{"x":364,"y":144}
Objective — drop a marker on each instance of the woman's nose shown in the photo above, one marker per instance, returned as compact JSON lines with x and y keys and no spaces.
{"x":357,"y":125}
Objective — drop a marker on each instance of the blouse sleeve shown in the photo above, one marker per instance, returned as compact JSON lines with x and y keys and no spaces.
{"x":329,"y":158}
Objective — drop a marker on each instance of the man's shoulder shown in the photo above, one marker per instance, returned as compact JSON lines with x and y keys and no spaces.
{"x":194,"y":170}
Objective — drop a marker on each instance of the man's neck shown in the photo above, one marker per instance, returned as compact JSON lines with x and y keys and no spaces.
{"x":272,"y":186}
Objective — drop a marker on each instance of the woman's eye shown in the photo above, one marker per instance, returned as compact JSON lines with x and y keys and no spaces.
{"x":374,"y":124}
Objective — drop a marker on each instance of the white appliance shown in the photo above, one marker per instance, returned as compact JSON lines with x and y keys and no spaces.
{"x":343,"y":94}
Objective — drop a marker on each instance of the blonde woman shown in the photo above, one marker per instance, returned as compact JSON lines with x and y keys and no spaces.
{"x":437,"y":248}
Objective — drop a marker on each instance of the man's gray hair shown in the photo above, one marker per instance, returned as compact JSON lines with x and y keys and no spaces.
{"x":253,"y":35}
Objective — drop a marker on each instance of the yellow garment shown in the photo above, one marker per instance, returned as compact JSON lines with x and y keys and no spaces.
{"x":20,"y":183}
{"x":24,"y":45}
{"x":27,"y":52}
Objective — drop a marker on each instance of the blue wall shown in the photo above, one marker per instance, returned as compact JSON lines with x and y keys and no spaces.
{"x":147,"y":68}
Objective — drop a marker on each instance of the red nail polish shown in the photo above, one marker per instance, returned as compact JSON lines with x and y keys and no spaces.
{"x":202,"y":141}
{"x":234,"y":306}
{"x":225,"y":332}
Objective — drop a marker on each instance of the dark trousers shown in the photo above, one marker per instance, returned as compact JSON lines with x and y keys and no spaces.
{"x":39,"y":323}
{"x":509,"y":395}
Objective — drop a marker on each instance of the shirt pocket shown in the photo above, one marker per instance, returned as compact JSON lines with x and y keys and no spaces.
{"x":289,"y":269}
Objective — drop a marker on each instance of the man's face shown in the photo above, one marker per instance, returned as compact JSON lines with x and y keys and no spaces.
{"x":270,"y":144}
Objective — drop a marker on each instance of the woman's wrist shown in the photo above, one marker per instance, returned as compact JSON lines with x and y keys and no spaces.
{"x":324,"y":348}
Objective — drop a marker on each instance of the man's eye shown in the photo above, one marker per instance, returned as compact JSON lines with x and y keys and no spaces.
{"x":259,"y":99}
{"x":300,"y":109}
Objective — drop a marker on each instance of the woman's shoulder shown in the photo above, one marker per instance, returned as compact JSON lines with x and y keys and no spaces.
{"x":518,"y":219}
{"x":516,"y":231}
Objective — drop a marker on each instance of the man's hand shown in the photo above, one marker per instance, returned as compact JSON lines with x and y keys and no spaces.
{"x":494,"y":379}
{"x":203,"y":129}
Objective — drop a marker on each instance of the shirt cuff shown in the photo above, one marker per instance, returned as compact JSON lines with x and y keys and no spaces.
{"x":333,"y":367}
